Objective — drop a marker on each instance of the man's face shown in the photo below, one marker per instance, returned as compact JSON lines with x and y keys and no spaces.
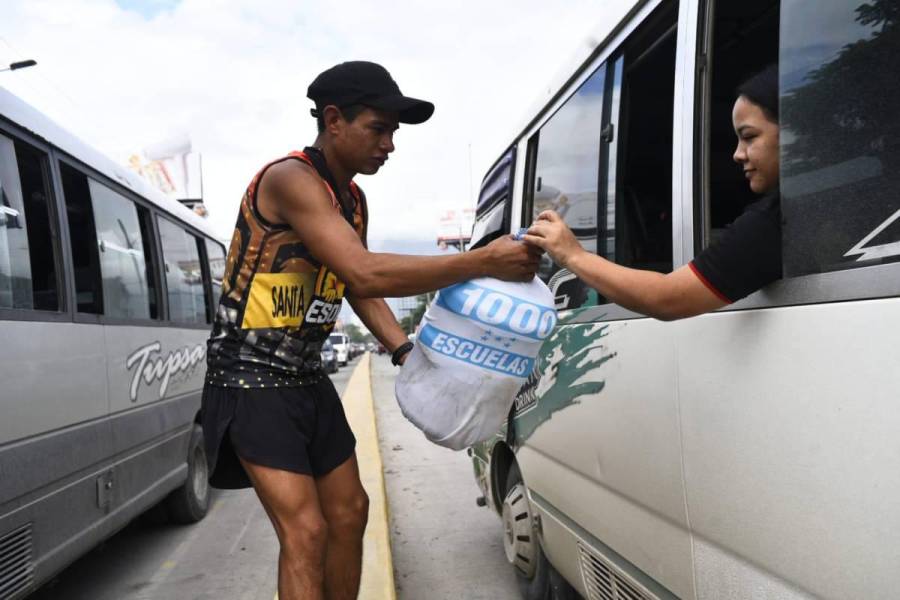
{"x":365,"y":143}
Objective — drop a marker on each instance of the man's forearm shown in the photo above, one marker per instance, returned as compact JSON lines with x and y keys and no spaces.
{"x":400,"y":275}
{"x":378,"y":318}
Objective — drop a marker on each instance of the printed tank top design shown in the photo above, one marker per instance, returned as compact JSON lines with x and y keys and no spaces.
{"x":278,"y":302}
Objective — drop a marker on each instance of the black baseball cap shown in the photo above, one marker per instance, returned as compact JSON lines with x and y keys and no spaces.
{"x":369,"y":84}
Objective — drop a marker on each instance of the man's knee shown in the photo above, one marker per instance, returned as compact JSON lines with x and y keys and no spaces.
{"x":304,"y":534}
{"x":349,"y":517}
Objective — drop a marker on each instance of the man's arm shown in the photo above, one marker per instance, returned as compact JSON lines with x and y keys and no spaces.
{"x":379,"y":319}
{"x":297,"y":196}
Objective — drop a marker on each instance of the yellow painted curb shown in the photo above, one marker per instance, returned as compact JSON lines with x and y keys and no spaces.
{"x":378,"y":566}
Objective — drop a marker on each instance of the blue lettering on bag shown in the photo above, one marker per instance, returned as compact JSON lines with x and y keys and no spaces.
{"x":475,"y":353}
{"x":499,"y":310}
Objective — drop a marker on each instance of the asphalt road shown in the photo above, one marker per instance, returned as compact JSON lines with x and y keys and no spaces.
{"x":231,"y":554}
{"x":444,"y":546}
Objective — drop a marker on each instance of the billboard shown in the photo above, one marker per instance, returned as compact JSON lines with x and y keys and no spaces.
{"x":455,"y":227}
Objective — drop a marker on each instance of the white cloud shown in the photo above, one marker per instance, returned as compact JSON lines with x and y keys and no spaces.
{"x":233,"y":75}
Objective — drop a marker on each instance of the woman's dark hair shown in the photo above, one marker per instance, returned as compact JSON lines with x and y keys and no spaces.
{"x":348,"y":112}
{"x":762,"y":89}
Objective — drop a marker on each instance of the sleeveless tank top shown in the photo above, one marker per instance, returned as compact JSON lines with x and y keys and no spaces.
{"x":278,"y":302}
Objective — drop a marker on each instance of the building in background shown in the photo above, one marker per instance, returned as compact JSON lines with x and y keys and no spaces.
{"x":455,"y":228}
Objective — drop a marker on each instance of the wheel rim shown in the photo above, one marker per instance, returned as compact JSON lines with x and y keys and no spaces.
{"x":200,"y":482}
{"x":518,"y":535}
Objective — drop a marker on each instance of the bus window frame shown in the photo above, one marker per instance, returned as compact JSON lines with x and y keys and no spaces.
{"x":59,"y":233}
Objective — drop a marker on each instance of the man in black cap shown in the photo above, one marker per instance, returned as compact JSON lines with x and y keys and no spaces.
{"x":271,"y":417}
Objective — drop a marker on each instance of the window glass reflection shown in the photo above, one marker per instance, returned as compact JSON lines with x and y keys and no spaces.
{"x":840,"y":162}
{"x":184,"y":277}
{"x":123,"y":266}
{"x":566,"y":178}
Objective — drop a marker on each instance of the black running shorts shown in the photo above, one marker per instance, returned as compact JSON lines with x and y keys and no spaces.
{"x":301,"y":429}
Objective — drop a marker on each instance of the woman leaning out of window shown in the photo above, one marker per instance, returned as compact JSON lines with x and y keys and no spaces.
{"x":746,"y":258}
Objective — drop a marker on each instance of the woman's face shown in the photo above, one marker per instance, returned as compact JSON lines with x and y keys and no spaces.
{"x":757,"y":146}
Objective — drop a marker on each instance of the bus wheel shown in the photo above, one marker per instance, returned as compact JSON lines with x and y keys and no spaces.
{"x":188,"y":504}
{"x":537,"y":578}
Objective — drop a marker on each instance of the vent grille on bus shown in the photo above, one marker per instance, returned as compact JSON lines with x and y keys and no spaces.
{"x":16,"y":566}
{"x":605,"y":582}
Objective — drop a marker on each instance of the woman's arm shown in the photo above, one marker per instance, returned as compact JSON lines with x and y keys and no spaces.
{"x":668,"y":297}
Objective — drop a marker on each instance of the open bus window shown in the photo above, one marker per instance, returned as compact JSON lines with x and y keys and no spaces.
{"x":640,"y":155}
{"x":28,"y":278}
{"x":184,"y":274}
{"x":745,"y":40}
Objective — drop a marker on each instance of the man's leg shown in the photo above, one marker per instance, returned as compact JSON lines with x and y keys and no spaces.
{"x":292,"y":503}
{"x":345,"y":507}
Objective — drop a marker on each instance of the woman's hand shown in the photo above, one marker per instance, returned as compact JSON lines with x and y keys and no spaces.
{"x":551,"y":233}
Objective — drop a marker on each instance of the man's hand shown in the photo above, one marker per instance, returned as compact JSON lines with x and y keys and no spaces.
{"x":511,"y":260}
{"x":551,"y":233}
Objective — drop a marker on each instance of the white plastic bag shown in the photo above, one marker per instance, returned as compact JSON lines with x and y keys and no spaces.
{"x":475,"y":348}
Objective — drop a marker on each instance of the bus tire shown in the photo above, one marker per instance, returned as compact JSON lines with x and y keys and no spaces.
{"x":189,"y":503}
{"x":536,"y":577}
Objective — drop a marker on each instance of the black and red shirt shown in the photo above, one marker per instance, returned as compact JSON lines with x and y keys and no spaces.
{"x":748,"y":255}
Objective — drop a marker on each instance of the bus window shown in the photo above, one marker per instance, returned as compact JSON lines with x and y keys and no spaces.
{"x":840,"y":155}
{"x":724,"y":189}
{"x":123,"y":261}
{"x":28,"y":276}
{"x":565,"y":178}
{"x":215,"y":254}
{"x":184,"y":276}
{"x":83,"y":241}
{"x":640,"y":153}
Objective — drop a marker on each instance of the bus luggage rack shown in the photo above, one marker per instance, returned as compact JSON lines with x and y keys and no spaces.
{"x":16,"y":566}
{"x":604,"y":582}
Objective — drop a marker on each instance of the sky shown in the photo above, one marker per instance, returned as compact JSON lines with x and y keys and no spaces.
{"x":232,"y":75}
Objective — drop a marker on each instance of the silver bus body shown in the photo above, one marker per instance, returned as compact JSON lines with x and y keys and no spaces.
{"x":97,"y":411}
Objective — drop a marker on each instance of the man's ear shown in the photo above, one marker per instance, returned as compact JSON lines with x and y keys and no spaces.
{"x":332,"y":117}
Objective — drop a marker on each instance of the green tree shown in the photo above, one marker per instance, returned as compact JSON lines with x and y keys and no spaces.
{"x":846,"y":107}
{"x":411,"y":321}
{"x":356,"y":334}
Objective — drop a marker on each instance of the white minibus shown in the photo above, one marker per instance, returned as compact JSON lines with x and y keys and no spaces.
{"x":752,"y":452}
{"x":107,"y":291}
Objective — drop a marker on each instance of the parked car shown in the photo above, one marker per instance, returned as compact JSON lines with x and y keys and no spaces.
{"x":329,"y":358}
